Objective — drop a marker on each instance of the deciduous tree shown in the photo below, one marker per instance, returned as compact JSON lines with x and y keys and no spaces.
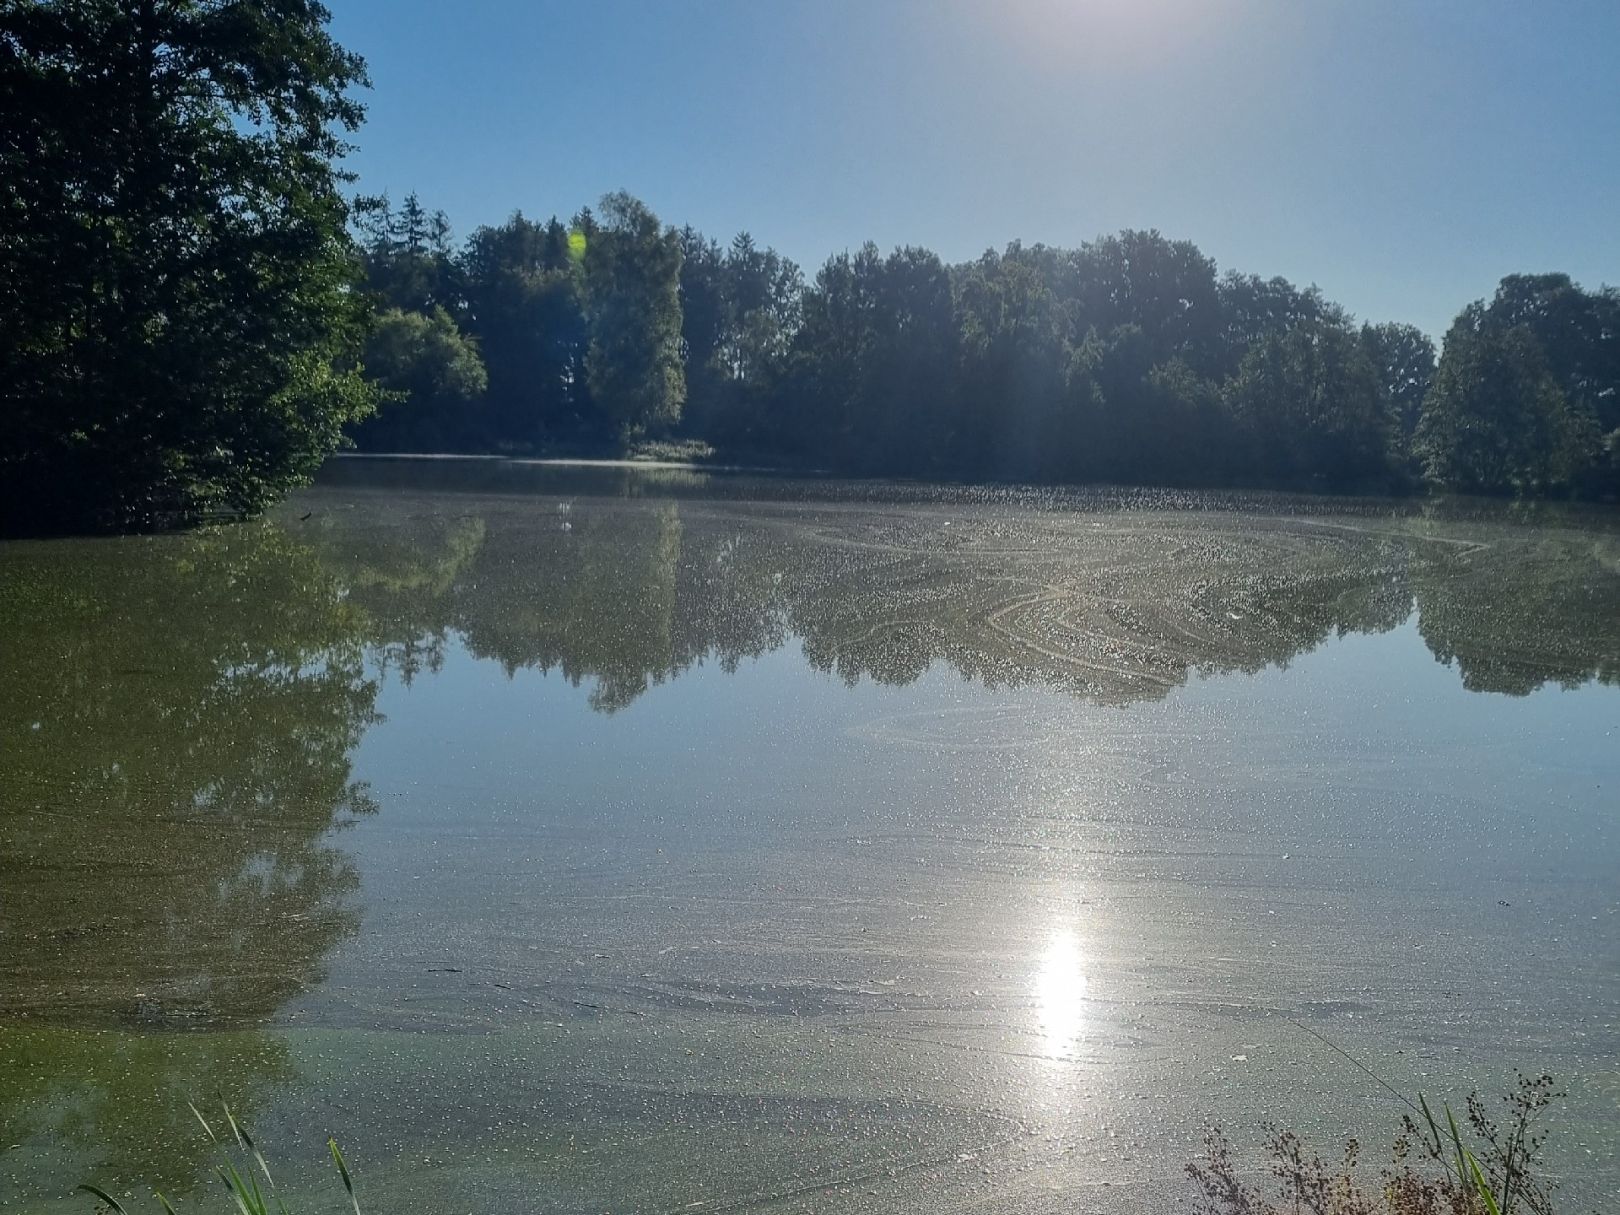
{"x":178,"y":328}
{"x":633,"y":306}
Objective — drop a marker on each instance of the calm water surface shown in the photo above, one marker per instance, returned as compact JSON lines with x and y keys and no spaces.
{"x":572,"y":839}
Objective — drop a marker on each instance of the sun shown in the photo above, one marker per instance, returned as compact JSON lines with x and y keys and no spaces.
{"x":1103,"y":33}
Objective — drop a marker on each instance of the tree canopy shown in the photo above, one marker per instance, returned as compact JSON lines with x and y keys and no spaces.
{"x":1132,"y":359}
{"x":193,"y":315}
{"x":177,"y":325}
{"x":1128,"y":360}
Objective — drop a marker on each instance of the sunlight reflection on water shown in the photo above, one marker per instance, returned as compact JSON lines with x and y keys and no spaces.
{"x":1060,"y":995}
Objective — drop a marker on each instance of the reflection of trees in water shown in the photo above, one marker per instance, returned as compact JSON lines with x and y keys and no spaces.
{"x":177,"y":723}
{"x":626,"y":594}
{"x":178,"y":714}
{"x":121,"y":1100}
{"x":602,"y":591}
{"x":1546,"y":610}
{"x":592,"y":595}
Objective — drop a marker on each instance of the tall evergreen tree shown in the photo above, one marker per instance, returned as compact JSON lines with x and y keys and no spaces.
{"x":704,"y":319}
{"x":409,"y":261}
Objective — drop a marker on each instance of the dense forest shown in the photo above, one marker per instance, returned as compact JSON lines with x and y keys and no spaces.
{"x":1130,"y":359}
{"x":195,"y":310}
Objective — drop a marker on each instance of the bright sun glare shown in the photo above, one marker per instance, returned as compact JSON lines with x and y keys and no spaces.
{"x":1060,"y":995}
{"x":1075,"y":31}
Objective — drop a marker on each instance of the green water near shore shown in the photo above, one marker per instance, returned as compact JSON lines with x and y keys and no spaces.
{"x":572,"y":838}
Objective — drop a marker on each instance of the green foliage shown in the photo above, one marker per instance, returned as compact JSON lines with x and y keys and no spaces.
{"x":578,"y":328}
{"x":1437,"y":1168}
{"x":425,"y":355}
{"x":1126,"y":360}
{"x":1527,"y":395}
{"x":1013,"y":399}
{"x":1578,"y":332}
{"x":236,"y":1174}
{"x":525,"y":303}
{"x":1403,"y":357}
{"x":633,"y":363}
{"x":409,"y":263}
{"x":1497,"y":419}
{"x":343,"y":1172}
{"x":181,"y":332}
{"x":178,"y":327}
{"x":1311,"y":404}
{"x":740,"y":308}
{"x":434,"y":370}
{"x":871,"y":365}
{"x":1165,"y":288}
{"x":1252,"y":307}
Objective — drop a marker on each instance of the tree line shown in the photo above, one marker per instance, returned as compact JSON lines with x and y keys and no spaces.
{"x":195,"y":310}
{"x":1130,"y":359}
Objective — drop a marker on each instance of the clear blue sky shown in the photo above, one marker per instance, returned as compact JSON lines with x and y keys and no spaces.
{"x":1402,"y":154}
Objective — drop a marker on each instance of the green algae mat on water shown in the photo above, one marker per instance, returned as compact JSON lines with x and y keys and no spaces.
{"x":573,"y":838}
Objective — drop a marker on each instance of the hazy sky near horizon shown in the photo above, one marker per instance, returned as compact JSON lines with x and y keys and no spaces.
{"x":1402,"y":154}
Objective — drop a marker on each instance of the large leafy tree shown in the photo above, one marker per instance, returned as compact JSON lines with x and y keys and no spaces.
{"x":1013,"y":413}
{"x":1497,"y":419}
{"x":873,"y":361}
{"x":1166,"y":288}
{"x":1313,"y":406}
{"x":435,"y":371}
{"x":1252,"y":308}
{"x":1578,"y":332}
{"x":1403,"y":356}
{"x":525,"y":295}
{"x":177,"y":320}
{"x":633,"y":301}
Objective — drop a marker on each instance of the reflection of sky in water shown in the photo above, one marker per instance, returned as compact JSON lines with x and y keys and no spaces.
{"x":693,"y":863}
{"x":1060,"y":995}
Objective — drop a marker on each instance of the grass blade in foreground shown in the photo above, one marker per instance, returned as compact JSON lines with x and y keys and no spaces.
{"x":105,"y":1197}
{"x":343,"y":1171}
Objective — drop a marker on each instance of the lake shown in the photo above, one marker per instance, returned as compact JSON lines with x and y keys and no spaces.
{"x":573,"y":838}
